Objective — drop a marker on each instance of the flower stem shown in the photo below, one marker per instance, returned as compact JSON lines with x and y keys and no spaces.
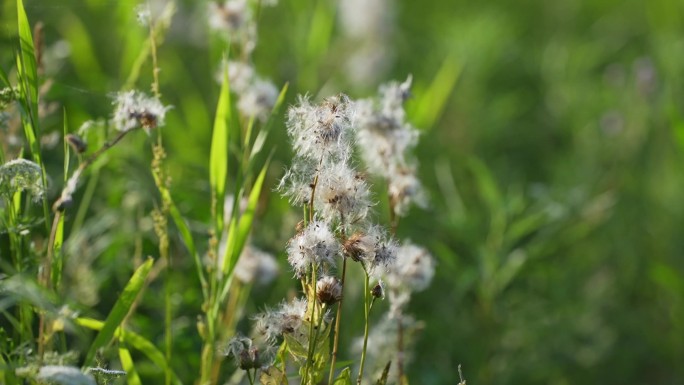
{"x":337,"y":325}
{"x":366,"y":309}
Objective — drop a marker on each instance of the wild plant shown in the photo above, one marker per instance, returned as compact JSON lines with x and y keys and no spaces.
{"x":326,"y":180}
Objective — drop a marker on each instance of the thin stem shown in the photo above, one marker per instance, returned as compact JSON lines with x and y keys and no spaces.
{"x":312,"y":341}
{"x":44,"y":280}
{"x":338,"y":316}
{"x":394,"y":222}
{"x":400,"y":347}
{"x":366,"y":307}
{"x":313,"y":191}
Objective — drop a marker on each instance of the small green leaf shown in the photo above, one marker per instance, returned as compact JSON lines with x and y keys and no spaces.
{"x":120,"y":310}
{"x":295,"y":348}
{"x":344,"y":378}
{"x":271,"y":376}
{"x":385,"y":373}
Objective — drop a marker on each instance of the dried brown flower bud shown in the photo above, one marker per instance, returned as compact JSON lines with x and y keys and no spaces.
{"x":378,"y":291}
{"x":77,"y":144}
{"x":328,"y":290}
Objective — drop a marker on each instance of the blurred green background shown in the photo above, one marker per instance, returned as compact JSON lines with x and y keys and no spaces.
{"x":552,"y":148}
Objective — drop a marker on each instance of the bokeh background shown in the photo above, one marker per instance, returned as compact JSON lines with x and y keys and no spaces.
{"x":552,"y":150}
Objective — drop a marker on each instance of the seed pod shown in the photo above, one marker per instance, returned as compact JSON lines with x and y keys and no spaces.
{"x":77,"y":144}
{"x":328,"y":290}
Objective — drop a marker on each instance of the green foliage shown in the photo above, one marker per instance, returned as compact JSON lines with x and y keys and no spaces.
{"x":551,"y":149}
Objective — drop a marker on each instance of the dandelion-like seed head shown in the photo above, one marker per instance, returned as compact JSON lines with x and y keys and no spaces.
{"x":135,"y":109}
{"x":374,"y":248}
{"x":231,"y":16}
{"x":342,"y":192}
{"x":405,"y":189}
{"x":315,"y":245}
{"x":414,"y":268}
{"x":258,"y":99}
{"x":288,"y":318}
{"x":328,"y":290}
{"x":256,"y":265}
{"x":247,"y":354}
{"x":21,"y":175}
{"x":321,"y":132}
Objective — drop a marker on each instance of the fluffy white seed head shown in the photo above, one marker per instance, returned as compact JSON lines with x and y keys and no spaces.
{"x":323,"y":131}
{"x":412,"y":272}
{"x":258,"y":99}
{"x":315,"y":245}
{"x":386,"y":141}
{"x":342,"y":193}
{"x":288,"y":318}
{"x":374,"y":248}
{"x":135,"y":109}
{"x":414,"y":268}
{"x":256,"y":266}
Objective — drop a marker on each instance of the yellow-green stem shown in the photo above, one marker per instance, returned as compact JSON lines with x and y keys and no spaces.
{"x":366,"y":307}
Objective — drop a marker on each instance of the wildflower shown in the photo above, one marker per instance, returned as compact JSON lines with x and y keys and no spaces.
{"x":258,"y":99}
{"x":64,"y":375}
{"x":231,"y":16}
{"x":297,"y":182}
{"x":328,"y":290}
{"x":404,"y":188}
{"x":414,"y":268}
{"x":255,"y":265}
{"x":315,"y":245}
{"x":287,"y":318}
{"x":256,"y":95}
{"x":21,"y":175}
{"x":378,"y":291}
{"x":247,"y":355}
{"x":135,"y":109}
{"x":412,"y":272}
{"x":240,"y":75}
{"x":386,"y":139}
{"x":374,"y":249}
{"x":321,"y":132}
{"x":342,"y":193}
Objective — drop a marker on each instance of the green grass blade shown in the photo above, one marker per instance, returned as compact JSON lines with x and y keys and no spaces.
{"x":136,"y":341}
{"x":4,"y":78}
{"x":276,"y":107}
{"x":132,"y":377}
{"x":246,"y":220}
{"x":189,"y":242}
{"x":218,"y":158}
{"x":29,"y":68}
{"x":120,"y":309}
{"x":431,"y":104}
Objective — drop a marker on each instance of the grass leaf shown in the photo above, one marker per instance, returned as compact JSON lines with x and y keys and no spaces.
{"x":136,"y":341}
{"x":132,"y":377}
{"x":218,"y":158}
{"x":431,"y":104}
{"x":344,"y":378}
{"x":120,"y":309}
